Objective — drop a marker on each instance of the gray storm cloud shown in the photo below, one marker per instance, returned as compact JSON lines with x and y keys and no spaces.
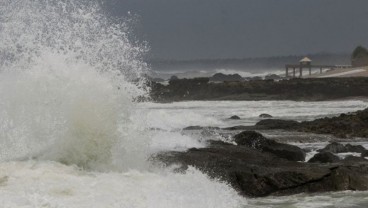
{"x":195,"y":29}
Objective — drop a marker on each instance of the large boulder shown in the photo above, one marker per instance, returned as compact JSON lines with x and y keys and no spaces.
{"x":257,"y":141}
{"x":255,"y":173}
{"x":324,"y":157}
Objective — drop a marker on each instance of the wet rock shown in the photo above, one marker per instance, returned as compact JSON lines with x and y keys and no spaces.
{"x":343,"y":126}
{"x":201,"y":128}
{"x":364,"y":154}
{"x":353,"y":159}
{"x":220,"y":77}
{"x":277,"y":124}
{"x":355,"y":148}
{"x":235,"y":117}
{"x":255,"y":173}
{"x":272,"y":77}
{"x":257,"y":141}
{"x":335,"y":147}
{"x":324,"y":157}
{"x":265,"y":115}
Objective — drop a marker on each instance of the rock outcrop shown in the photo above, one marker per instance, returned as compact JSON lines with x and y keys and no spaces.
{"x":257,"y":141}
{"x":343,"y":126}
{"x":235,"y":117}
{"x":256,"y":173}
{"x":265,"y":115}
{"x":335,"y":147}
{"x":324,"y":157}
{"x":277,"y":124}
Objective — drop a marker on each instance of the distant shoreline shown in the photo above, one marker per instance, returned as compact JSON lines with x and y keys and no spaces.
{"x":311,"y":89}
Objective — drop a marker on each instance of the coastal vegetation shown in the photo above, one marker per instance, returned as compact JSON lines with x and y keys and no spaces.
{"x":359,"y":57}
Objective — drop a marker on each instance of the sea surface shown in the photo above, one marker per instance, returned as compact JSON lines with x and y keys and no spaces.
{"x":72,"y":135}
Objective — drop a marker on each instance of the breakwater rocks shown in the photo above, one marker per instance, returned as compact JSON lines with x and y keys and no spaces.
{"x":343,"y":126}
{"x":258,"y":167}
{"x":293,"y":89}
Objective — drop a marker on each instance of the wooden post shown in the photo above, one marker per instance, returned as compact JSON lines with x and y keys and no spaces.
{"x":294,"y":72}
{"x":287,"y":72}
{"x":301,"y":71}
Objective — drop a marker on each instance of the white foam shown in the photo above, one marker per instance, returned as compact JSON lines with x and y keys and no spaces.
{"x":48,"y":184}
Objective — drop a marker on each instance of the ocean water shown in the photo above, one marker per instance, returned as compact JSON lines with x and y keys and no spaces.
{"x":72,"y":135}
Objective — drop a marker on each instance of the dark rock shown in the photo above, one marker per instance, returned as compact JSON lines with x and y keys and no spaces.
{"x":257,"y":141}
{"x":251,"y":139}
{"x":272,"y":77}
{"x":364,"y":154}
{"x":256,"y":89}
{"x":235,"y":117}
{"x":355,"y":148}
{"x":277,"y":124}
{"x":193,"y":128}
{"x":220,"y":77}
{"x":174,"y":77}
{"x":201,"y":128}
{"x":254,"y":173}
{"x":324,"y":157}
{"x":352,"y":159}
{"x":265,"y":115}
{"x":345,"y":125}
{"x":335,"y":147}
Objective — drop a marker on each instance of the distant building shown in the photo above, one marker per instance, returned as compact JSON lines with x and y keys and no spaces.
{"x":305,"y":61}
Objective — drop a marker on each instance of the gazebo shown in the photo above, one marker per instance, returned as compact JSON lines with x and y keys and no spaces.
{"x":305,"y":61}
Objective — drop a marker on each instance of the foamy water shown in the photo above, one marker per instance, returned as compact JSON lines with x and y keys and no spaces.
{"x":217,"y":113}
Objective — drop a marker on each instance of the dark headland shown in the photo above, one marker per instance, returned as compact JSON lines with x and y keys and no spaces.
{"x":312,"y":89}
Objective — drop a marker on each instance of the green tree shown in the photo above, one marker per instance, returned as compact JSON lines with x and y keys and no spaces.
{"x":360,"y":52}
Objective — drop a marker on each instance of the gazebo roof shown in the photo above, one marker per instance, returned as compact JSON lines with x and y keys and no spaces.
{"x":305,"y":59}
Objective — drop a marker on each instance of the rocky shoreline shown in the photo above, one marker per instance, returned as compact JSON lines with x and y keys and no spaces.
{"x":259,"y":169}
{"x":257,"y":166}
{"x":312,"y":89}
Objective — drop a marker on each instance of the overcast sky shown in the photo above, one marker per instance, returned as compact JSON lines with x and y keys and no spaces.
{"x":196,"y":29}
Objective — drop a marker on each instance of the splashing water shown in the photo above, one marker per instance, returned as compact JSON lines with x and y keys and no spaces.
{"x":64,"y":85}
{"x":69,"y":133}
